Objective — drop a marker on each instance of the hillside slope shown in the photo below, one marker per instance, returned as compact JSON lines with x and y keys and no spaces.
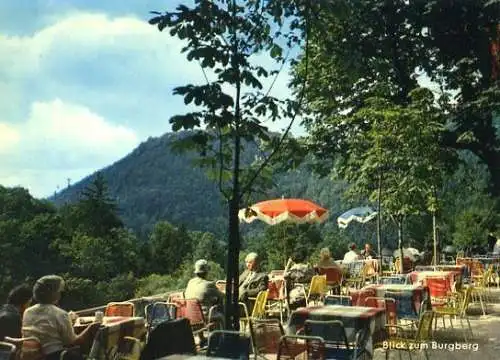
{"x":152,"y":184}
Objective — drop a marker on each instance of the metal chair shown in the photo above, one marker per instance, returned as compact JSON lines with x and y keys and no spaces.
{"x":27,"y":348}
{"x":338,"y":300}
{"x":456,"y":309}
{"x":291,"y":346}
{"x":266,"y":335}
{"x":337,"y":346}
{"x":276,"y":297}
{"x":423,"y":334}
{"x":228,"y":345}
{"x":159,"y":312}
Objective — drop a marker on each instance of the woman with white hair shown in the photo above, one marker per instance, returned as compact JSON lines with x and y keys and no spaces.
{"x":51,"y":324}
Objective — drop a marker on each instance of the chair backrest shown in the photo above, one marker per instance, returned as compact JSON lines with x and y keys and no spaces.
{"x":173,"y":297}
{"x":159,"y":312}
{"x":424,"y":331}
{"x":376,"y":302}
{"x":192,"y":310}
{"x":275,"y":289}
{"x":365,"y":293}
{"x":333,"y":274}
{"x":332,"y":332}
{"x":276,"y":273}
{"x":7,"y":351}
{"x":259,"y":308}
{"x":391,"y":311}
{"x":228,"y":344}
{"x":266,"y":335}
{"x":338,"y":300}
{"x":168,"y":338}
{"x":125,"y":308}
{"x":29,"y":348}
{"x":392,"y":280}
{"x":221,"y":285}
{"x":404,"y":303}
{"x":318,"y":285}
{"x":292,"y":345}
{"x":466,"y":300}
{"x":439,"y":287}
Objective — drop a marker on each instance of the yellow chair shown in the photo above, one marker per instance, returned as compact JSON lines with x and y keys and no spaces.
{"x":258,"y":311}
{"x":456,"y":309}
{"x":316,"y":288}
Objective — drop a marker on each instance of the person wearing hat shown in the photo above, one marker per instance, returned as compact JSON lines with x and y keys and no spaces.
{"x":51,"y":324}
{"x":351,"y":255}
{"x":202,"y":289}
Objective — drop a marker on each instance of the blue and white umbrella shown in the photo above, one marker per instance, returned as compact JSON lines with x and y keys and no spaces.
{"x":360,"y":214}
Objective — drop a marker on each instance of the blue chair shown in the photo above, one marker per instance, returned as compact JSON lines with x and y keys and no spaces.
{"x":338,"y":300}
{"x":159,"y":312}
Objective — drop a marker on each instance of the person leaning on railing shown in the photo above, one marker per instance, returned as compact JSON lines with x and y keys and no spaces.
{"x":51,"y":324}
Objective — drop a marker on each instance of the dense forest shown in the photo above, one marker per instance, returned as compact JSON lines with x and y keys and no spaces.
{"x":105,"y":257}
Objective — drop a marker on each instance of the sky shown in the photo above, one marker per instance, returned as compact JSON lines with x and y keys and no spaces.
{"x":83,"y":83}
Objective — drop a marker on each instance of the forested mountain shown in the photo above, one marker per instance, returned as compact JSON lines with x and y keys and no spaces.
{"x":154,"y":183}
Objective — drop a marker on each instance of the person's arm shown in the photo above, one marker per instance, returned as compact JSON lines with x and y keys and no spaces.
{"x":261,"y":286}
{"x":67,"y":333}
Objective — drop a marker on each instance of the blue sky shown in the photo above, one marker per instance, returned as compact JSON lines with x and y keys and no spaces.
{"x":83,"y":82}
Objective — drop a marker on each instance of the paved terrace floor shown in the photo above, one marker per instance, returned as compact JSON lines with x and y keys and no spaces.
{"x":486,"y":336}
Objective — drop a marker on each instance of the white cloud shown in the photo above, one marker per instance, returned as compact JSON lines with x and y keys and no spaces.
{"x":114,"y":77}
{"x":60,"y":138}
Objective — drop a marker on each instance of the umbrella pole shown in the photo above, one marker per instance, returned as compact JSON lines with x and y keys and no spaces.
{"x":379,"y":224}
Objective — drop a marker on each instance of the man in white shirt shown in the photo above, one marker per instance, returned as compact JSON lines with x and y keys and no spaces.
{"x":351,"y":255}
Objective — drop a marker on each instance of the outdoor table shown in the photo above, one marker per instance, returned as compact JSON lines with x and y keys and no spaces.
{"x":354,"y":318}
{"x":419,"y":277}
{"x":113,"y":329}
{"x":418,"y":293}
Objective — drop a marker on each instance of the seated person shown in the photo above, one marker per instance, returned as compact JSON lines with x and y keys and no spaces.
{"x":297,"y":271}
{"x":11,"y":313}
{"x":251,"y":281}
{"x":51,"y":324}
{"x":326,"y":261}
{"x":368,"y":253}
{"x":202,"y":289}
{"x":351,"y":255}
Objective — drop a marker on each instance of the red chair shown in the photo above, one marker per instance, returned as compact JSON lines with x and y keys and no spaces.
{"x":276,"y":296}
{"x":291,"y":346}
{"x":191,"y":309}
{"x":363,"y":294}
{"x":124,"y":308}
{"x":334,"y":277}
{"x":175,"y":296}
{"x":439,"y":289}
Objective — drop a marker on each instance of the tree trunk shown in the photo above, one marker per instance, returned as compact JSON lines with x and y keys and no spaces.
{"x":434,"y":236}
{"x":232,"y":276}
{"x":231,"y":308}
{"x":400,"y":245}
